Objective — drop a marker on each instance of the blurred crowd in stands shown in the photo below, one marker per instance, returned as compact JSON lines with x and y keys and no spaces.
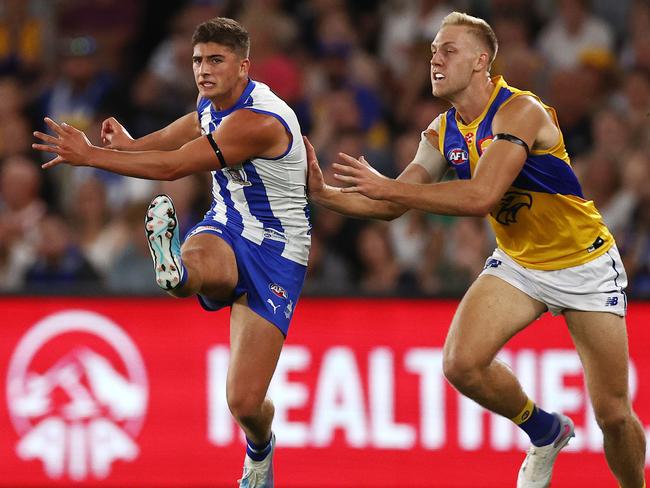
{"x":357,"y":74}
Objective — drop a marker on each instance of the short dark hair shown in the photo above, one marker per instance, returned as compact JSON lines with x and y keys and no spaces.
{"x":224,"y":31}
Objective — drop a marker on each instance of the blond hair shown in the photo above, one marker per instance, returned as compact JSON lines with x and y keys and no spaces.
{"x":480,"y":28}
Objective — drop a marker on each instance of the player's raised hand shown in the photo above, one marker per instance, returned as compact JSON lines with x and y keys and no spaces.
{"x":114,"y":135}
{"x":70,"y":144}
{"x":315,"y":179}
{"x":361,"y":177}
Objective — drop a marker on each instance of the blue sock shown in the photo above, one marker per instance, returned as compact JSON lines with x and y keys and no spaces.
{"x":258,"y":453}
{"x":183,"y":275}
{"x":542,"y":427}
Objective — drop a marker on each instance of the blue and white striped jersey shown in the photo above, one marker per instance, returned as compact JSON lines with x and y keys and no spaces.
{"x":265,"y":200}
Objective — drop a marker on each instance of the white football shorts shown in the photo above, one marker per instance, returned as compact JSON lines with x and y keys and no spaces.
{"x":596,"y":286}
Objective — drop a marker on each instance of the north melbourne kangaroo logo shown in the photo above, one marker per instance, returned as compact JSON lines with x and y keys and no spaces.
{"x":511,"y":203}
{"x":77,"y":394}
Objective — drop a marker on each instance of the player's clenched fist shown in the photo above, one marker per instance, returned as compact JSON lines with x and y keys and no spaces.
{"x":114,"y":135}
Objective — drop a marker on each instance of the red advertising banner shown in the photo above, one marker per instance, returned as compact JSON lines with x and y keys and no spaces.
{"x":131,"y":393}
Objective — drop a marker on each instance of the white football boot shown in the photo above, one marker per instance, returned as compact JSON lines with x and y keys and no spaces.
{"x":258,"y":474}
{"x":537,"y":468}
{"x":161,"y":229}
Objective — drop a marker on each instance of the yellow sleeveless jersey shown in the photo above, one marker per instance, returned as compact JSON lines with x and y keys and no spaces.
{"x":543,"y":221}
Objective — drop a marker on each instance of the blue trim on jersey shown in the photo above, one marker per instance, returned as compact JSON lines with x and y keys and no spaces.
{"x":284,"y":123}
{"x":454,"y":140}
{"x":258,"y":203}
{"x":544,"y":173}
{"x":244,"y":100}
{"x":214,"y":120}
{"x":484,"y":130}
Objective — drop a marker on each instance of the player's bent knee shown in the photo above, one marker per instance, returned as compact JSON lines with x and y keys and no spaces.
{"x":213,"y":274}
{"x":245,"y":405}
{"x":461,"y":371}
{"x":194,"y":256}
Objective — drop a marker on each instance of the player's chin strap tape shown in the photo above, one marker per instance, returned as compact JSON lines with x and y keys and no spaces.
{"x":218,"y":152}
{"x":513,"y":139}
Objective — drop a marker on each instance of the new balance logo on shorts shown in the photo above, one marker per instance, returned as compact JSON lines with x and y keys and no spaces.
{"x":492,"y":263}
{"x":611,"y":301}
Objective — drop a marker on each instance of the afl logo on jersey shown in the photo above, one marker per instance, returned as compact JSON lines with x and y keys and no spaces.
{"x":278,"y":291}
{"x":457,"y":156}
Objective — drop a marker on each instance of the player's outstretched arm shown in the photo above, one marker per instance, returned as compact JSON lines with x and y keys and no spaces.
{"x":495,"y":172}
{"x":355,"y":204}
{"x":71,"y":146}
{"x":242,"y":136}
{"x":183,"y":130}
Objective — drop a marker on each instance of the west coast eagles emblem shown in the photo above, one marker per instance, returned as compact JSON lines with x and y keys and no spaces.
{"x":511,"y":203}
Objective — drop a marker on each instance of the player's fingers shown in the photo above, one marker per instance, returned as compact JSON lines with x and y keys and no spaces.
{"x":45,"y":137}
{"x":349,"y":159}
{"x":344,"y":169}
{"x":53,"y":162}
{"x":69,"y":129}
{"x":307,"y":143}
{"x":311,"y":153}
{"x":350,"y":189}
{"x":363,"y":161}
{"x":350,"y":180}
{"x":46,"y":148}
{"x":54,"y":126}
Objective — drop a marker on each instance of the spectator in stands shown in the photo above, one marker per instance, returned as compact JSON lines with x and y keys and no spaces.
{"x":60,"y":266}
{"x":26,"y":36}
{"x":130,"y":272}
{"x":99,"y":235}
{"x":573,"y":34}
{"x":380,"y":271}
{"x":636,"y":245}
{"x":15,"y":134}
{"x":82,"y":86}
{"x":21,"y":210}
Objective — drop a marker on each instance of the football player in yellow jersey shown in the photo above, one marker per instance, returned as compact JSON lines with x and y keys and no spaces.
{"x":553,"y":251}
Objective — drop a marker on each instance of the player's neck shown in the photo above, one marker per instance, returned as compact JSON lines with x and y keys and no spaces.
{"x":229,"y":99}
{"x":471,"y":102}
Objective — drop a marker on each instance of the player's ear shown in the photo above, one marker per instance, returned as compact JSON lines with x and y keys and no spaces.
{"x":482,"y":62}
{"x":244,"y":66}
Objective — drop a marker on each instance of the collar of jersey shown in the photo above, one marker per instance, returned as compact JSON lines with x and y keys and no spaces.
{"x":499,"y":83}
{"x":242,"y":101}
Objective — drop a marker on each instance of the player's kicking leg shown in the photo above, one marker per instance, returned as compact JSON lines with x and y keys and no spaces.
{"x":205,"y":263}
{"x":255,"y":346}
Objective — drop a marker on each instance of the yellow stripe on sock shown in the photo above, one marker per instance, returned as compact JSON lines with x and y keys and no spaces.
{"x":525,"y":413}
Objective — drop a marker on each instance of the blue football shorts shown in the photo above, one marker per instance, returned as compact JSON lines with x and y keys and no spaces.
{"x":271,"y":282}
